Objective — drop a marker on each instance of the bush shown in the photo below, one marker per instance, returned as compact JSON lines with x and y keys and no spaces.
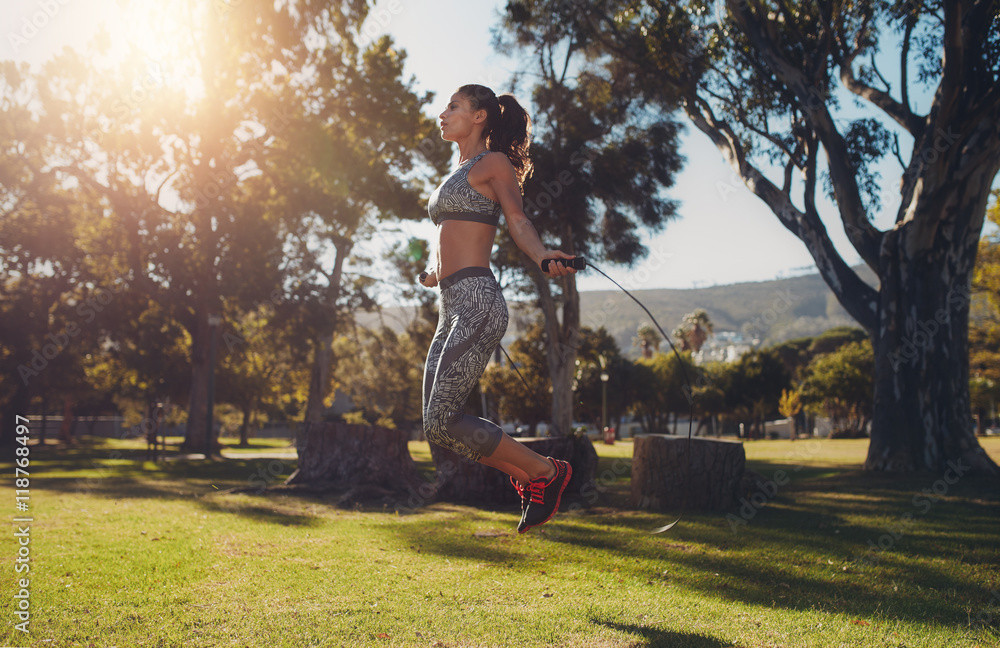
{"x":848,"y":433}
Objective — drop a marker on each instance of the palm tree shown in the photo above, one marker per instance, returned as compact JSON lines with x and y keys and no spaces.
{"x":647,"y":339}
{"x":694,"y":330}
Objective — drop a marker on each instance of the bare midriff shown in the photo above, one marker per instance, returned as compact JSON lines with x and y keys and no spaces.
{"x":463,"y":244}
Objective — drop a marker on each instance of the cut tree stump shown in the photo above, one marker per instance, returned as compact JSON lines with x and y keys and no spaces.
{"x":666,"y":476}
{"x":367,"y":460}
{"x":462,"y":480}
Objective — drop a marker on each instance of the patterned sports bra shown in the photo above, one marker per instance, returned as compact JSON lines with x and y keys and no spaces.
{"x":455,"y":199}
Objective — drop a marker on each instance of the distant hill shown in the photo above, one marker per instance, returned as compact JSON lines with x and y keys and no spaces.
{"x":770,"y":311}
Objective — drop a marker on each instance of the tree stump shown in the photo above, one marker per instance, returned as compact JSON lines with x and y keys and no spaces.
{"x":367,"y":460}
{"x":462,"y":480}
{"x":665,"y":476}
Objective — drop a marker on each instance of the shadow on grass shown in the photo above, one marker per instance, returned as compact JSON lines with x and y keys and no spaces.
{"x":657,"y":638}
{"x":97,"y":468}
{"x":808,"y":549}
{"x":826,"y":540}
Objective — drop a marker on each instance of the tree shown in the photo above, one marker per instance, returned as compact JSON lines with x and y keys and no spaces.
{"x":186,"y":202}
{"x":380,"y":371}
{"x":789,"y":406}
{"x":601,"y":159}
{"x":599,"y":354}
{"x":259,"y":371}
{"x":171,"y":172}
{"x":660,"y":389}
{"x":514,"y":400}
{"x":984,"y":331}
{"x":709,"y":393}
{"x":761,"y":80}
{"x":647,"y":339}
{"x":754,"y":387}
{"x":341,"y":168}
{"x":839,"y":384}
{"x":694,"y":330}
{"x":52,"y":293}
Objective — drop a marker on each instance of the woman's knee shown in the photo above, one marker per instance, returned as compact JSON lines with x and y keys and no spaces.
{"x":436,"y":425}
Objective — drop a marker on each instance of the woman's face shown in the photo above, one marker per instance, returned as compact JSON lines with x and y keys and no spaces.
{"x":459,"y":120}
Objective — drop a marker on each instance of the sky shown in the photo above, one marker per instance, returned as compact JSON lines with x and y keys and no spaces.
{"x":723,"y":235}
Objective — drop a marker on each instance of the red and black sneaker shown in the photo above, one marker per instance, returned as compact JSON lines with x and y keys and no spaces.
{"x":544,"y":496}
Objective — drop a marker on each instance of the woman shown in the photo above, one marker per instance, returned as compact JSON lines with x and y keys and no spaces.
{"x":493,"y":134}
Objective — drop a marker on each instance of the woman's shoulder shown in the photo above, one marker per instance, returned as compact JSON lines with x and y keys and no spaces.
{"x":494,"y":162}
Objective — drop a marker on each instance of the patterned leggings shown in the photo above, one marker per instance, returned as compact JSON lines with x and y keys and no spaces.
{"x":472,"y":321}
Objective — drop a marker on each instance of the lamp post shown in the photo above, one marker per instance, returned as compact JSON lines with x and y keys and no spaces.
{"x":213,"y":325}
{"x":604,"y":396}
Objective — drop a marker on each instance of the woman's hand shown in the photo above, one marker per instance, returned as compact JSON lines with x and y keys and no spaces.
{"x":428,"y":279}
{"x":556,"y":269}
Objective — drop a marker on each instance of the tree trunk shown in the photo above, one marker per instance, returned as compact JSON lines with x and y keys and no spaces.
{"x":922,"y":415}
{"x":369,"y":461}
{"x":66,"y":429}
{"x":670,"y":473}
{"x":563,"y":340}
{"x":462,"y":480}
{"x":319,"y":381}
{"x":245,"y":425}
{"x":195,"y":437}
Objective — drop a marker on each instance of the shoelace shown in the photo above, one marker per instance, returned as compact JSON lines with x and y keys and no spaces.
{"x":537,"y":489}
{"x":517,"y":487}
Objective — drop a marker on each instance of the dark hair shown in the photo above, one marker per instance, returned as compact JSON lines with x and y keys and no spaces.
{"x":508,"y":126}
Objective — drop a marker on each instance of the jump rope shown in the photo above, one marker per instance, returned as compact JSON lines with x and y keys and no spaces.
{"x":580,"y":263}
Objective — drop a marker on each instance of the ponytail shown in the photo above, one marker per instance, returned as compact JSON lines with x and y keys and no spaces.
{"x":508,"y":126}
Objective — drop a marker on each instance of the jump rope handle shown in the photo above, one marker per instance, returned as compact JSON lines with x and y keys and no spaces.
{"x":576,"y":262}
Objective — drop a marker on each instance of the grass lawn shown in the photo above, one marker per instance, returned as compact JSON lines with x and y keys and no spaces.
{"x":126,"y":553}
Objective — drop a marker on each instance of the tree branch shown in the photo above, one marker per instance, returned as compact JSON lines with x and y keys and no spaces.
{"x":857,"y":297}
{"x":127,"y":212}
{"x":865,"y":238}
{"x":914,"y":124}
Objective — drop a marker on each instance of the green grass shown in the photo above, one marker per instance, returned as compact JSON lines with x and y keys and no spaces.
{"x":125,"y":552}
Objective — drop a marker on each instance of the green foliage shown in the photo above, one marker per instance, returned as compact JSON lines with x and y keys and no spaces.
{"x":599,"y":354}
{"x":381,"y":372}
{"x":755,"y":385}
{"x":661,"y":390}
{"x":984,"y":330}
{"x":508,"y":394}
{"x":263,"y":141}
{"x":839,"y":384}
{"x":648,"y":339}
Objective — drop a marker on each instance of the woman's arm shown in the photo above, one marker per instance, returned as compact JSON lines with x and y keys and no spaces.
{"x":503,"y":182}
{"x":429,"y":277}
